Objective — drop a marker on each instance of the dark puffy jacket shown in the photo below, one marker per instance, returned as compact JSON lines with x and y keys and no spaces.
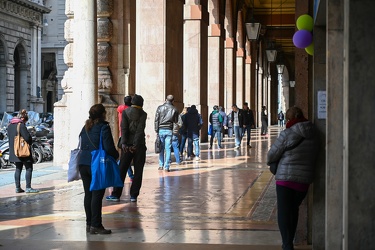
{"x":165,"y":116}
{"x":296,"y":164}
{"x":87,"y":146}
{"x":133,"y":126}
{"x":193,"y":123}
{"x":12,"y":132}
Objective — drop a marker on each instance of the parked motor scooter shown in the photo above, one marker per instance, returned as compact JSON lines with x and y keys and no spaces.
{"x":4,"y":155}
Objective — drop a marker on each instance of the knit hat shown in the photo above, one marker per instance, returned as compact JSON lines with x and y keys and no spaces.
{"x":137,"y":100}
{"x":128,"y":100}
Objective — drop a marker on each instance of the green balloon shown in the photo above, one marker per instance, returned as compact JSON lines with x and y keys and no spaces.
{"x":310,"y":49}
{"x":305,"y":22}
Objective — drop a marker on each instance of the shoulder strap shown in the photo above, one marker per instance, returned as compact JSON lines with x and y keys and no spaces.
{"x":18,"y":128}
{"x":90,"y":139}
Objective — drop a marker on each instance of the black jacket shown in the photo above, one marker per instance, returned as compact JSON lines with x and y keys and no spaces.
{"x":166,"y":115}
{"x":248,"y":117}
{"x":88,"y":145}
{"x":12,"y":132}
{"x":133,"y":126}
{"x":240,"y":118}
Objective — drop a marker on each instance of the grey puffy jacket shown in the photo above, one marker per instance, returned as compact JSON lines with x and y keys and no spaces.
{"x":296,"y":164}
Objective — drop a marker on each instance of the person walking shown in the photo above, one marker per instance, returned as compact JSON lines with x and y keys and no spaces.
{"x":193,"y":123}
{"x":183,"y":133}
{"x":264,"y":119}
{"x":280,"y":117}
{"x":133,"y":145}
{"x":237,"y":121}
{"x":230,"y":125}
{"x":176,"y":140}
{"x":294,"y":151}
{"x":224,"y":124}
{"x":248,"y":122}
{"x":216,"y":121}
{"x":90,"y":139}
{"x":166,"y":115}
{"x":18,"y":123}
{"x":120,"y":108}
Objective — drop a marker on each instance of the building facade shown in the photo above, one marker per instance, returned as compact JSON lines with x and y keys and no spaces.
{"x":20,"y":53}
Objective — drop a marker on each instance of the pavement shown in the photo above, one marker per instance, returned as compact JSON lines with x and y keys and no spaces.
{"x":226,"y":200}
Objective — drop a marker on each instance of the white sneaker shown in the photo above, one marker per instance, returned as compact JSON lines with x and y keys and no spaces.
{"x":196,"y":158}
{"x":236,"y":147}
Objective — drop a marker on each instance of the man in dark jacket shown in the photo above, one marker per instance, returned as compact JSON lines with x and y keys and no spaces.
{"x":237,"y":121}
{"x":193,"y":123}
{"x":248,"y":122}
{"x":133,"y":143}
{"x":166,"y":115}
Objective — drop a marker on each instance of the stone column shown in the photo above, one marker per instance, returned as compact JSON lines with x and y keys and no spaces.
{"x":229,"y":59}
{"x":240,"y":63}
{"x":253,"y":102}
{"x":302,"y":88}
{"x":85,"y":90}
{"x":105,"y":84}
{"x":247,"y":76}
{"x":358,"y":124}
{"x":195,"y":59}
{"x":215,"y":88}
{"x":79,"y":83}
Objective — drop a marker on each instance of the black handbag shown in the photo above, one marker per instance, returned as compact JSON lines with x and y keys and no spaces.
{"x":157,"y":145}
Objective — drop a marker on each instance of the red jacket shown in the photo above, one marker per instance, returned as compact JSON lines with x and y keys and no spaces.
{"x":119,"y":111}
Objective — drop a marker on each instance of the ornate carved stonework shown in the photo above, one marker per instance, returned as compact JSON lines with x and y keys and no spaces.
{"x":104,"y":79}
{"x":68,"y":55}
{"x":10,"y":7}
{"x":105,"y":30}
{"x":68,"y":31}
{"x":104,"y":8}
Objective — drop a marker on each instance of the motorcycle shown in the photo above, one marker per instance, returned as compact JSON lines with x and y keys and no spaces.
{"x":4,"y":155}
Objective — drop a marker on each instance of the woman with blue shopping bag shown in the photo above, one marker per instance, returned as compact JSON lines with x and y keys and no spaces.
{"x":95,"y":134}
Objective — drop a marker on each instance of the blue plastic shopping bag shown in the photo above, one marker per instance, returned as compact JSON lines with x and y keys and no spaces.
{"x":104,"y":170}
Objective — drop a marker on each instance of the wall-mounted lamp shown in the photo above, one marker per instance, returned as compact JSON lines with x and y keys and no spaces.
{"x":252,"y":31}
{"x":280,"y":68}
{"x":292,"y":84}
{"x":45,"y":22}
{"x":271,"y":53}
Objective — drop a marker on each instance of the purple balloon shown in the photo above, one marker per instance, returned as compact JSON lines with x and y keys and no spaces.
{"x":302,"y":39}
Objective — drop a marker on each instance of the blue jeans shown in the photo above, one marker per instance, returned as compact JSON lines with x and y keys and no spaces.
{"x":216,"y":131}
{"x":238,"y":135}
{"x":196,"y":146}
{"x":176,"y":148}
{"x":166,"y":143}
{"x":182,"y":144}
{"x":247,"y":129}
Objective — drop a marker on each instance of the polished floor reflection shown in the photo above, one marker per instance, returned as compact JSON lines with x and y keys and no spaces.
{"x":226,"y":200}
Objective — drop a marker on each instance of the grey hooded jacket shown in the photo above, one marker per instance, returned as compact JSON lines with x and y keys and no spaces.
{"x":296,"y":164}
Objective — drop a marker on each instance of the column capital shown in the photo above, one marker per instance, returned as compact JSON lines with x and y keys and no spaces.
{"x":192,"y":12}
{"x":240,"y":52}
{"x":214,"y":30}
{"x":229,"y":43}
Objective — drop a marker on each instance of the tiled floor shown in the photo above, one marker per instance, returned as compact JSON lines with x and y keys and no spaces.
{"x":225,"y":201}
